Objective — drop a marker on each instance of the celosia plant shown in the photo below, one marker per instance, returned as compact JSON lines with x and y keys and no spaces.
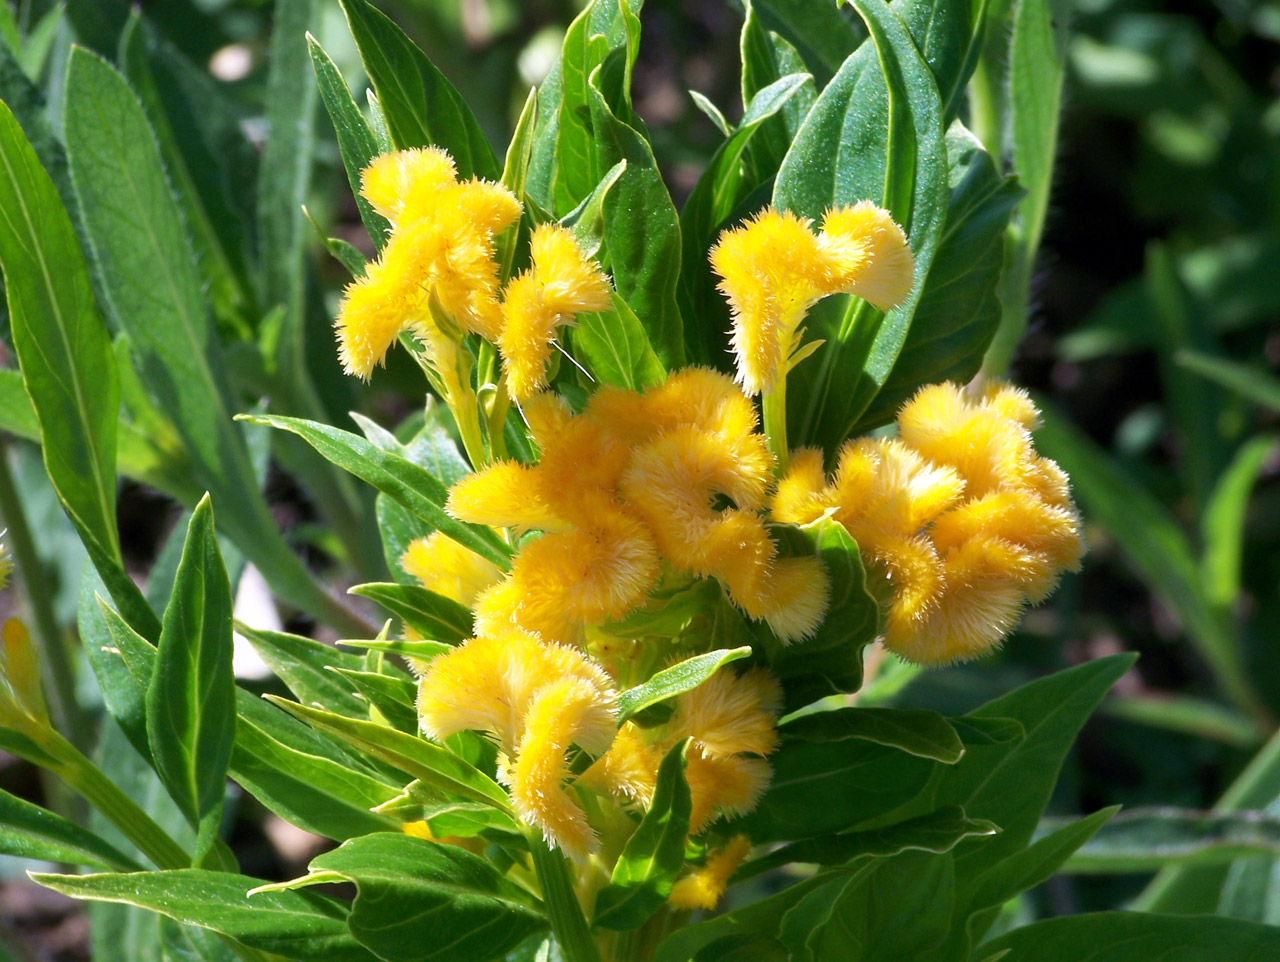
{"x":676,"y":472}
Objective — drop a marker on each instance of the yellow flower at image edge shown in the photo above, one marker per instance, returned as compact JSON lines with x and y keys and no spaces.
{"x":959,"y":517}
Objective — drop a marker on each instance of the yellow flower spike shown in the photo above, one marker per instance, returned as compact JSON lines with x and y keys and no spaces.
{"x":562,"y":283}
{"x":884,"y":485}
{"x":629,"y":769}
{"x":390,"y":178}
{"x":571,"y":282}
{"x":737,"y":550}
{"x":442,"y":565}
{"x":798,"y":595}
{"x":772,"y":270}
{"x":1013,"y":403}
{"x":703,"y":887}
{"x":465,"y":274}
{"x":802,"y":495}
{"x":491,"y":207}
{"x":914,"y":572}
{"x":871,"y":253}
{"x":729,"y":785}
{"x":567,"y":712}
{"x":546,"y":414}
{"x":729,"y":714}
{"x":580,"y":465}
{"x":375,"y":309}
{"x":506,"y":494}
{"x":497,"y":608}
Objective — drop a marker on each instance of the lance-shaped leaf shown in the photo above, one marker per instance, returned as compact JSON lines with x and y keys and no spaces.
{"x":651,"y":860}
{"x":680,"y":677}
{"x":304,"y":664}
{"x":431,"y":615}
{"x":421,"y":107}
{"x":923,"y":733}
{"x":191,"y":695}
{"x":420,"y":901}
{"x":297,"y":925}
{"x":414,"y":487}
{"x":29,"y":831}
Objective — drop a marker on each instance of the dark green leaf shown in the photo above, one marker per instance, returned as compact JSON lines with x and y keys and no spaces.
{"x":1138,"y":937}
{"x":294,"y":924}
{"x":652,"y":858}
{"x":29,"y":831}
{"x":393,"y":697}
{"x":821,"y":34}
{"x":421,"y":107}
{"x":303,"y":664}
{"x":683,"y":676}
{"x":191,"y":696}
{"x":936,"y":832}
{"x":412,"y":486}
{"x":614,"y":347}
{"x":923,"y":733}
{"x":1249,"y":382}
{"x":420,"y":901}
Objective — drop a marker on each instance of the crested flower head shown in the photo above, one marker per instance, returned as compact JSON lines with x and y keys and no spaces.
{"x":442,"y":565}
{"x":961,"y":519}
{"x":774,"y":268}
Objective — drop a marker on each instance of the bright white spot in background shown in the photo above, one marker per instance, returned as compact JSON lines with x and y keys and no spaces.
{"x":255,"y":607}
{"x":539,"y":55}
{"x":232,"y":62}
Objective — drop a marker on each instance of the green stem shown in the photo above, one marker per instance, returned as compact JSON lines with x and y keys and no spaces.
{"x":100,"y":792}
{"x":985,"y":108}
{"x":56,"y":653}
{"x":774,"y":404}
{"x":568,"y":923}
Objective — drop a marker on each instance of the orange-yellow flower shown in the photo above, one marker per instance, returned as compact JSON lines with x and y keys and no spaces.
{"x":702,"y":888}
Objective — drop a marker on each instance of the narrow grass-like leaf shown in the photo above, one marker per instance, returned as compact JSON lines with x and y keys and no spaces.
{"x":191,"y":696}
{"x":356,"y":142}
{"x":412,"y":486}
{"x":1248,"y":382}
{"x":651,"y":860}
{"x":293,"y":924}
{"x":29,"y":831}
{"x":393,"y":696}
{"x":408,"y":887}
{"x":434,"y":766}
{"x":1223,"y":524}
{"x":683,"y":676}
{"x":421,"y":107}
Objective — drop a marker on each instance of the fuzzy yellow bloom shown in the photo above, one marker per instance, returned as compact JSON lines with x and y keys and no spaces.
{"x":774,"y":268}
{"x":442,"y":565}
{"x":730,"y":714}
{"x":504,"y":495}
{"x":441,"y":250}
{"x":961,"y":519}
{"x":537,"y":700}
{"x":703,"y":887}
{"x":628,"y":769}
{"x":562,"y":283}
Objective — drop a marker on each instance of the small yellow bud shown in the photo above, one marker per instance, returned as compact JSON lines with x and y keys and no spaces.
{"x":702,"y":888}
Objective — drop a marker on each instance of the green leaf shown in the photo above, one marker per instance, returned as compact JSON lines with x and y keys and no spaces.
{"x":821,"y":34}
{"x":293,"y":924}
{"x":680,"y":677}
{"x":615,"y":348}
{"x":923,"y":733}
{"x":1247,"y":381}
{"x":641,"y":229}
{"x":393,"y":696}
{"x":1188,"y":715}
{"x":959,"y":309}
{"x":722,"y":188}
{"x":404,"y":647}
{"x":1009,"y":783}
{"x":875,"y":132}
{"x":1032,"y":865}
{"x":432,"y":616}
{"x":412,"y":486}
{"x":29,"y":831}
{"x":861,"y":788}
{"x":1138,"y":937}
{"x":356,"y":142}
{"x":652,"y":858}
{"x":1152,"y":542}
{"x":1146,"y":840}
{"x":65,"y":354}
{"x":421,"y":107}
{"x":191,"y":696}
{"x":122,"y":696}
{"x":436,"y":767}
{"x":937,"y":832}
{"x":304,"y":665}
{"x":831,"y":661}
{"x":1222,"y":527}
{"x":420,"y":901}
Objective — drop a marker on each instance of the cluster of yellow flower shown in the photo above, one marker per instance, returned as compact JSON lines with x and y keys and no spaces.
{"x":958,"y":514}
{"x":958,"y":518}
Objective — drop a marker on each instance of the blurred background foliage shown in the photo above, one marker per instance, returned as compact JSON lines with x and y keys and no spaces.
{"x":1152,"y":339}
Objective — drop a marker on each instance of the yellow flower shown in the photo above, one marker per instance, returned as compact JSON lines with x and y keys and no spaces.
{"x":702,"y":888}
{"x":774,"y":268}
{"x":442,"y":565}
{"x":730,"y":714}
{"x":506,"y":494}
{"x":390,"y":178}
{"x":628,"y":769}
{"x":562,"y":283}
{"x":959,"y":517}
